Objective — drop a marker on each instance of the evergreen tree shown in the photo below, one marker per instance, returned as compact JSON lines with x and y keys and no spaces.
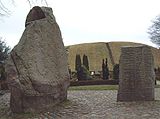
{"x":77,"y":62}
{"x":83,"y":74}
{"x":105,"y":70}
{"x":82,"y":71}
{"x":78,"y":66}
{"x":116,"y":72}
{"x":85,"y":61}
{"x":4,"y":50}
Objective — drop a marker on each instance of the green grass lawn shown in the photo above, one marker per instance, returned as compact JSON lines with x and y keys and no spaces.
{"x":95,"y":87}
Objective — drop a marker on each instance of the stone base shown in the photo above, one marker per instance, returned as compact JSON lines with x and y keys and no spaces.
{"x":145,"y":95}
{"x":21,"y":102}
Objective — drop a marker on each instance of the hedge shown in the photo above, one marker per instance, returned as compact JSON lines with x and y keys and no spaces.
{"x":94,"y":82}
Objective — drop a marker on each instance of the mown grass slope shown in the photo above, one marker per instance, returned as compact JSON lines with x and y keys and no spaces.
{"x":98,"y":51}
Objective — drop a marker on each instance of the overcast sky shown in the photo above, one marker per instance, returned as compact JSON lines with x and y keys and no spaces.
{"x":84,"y":21}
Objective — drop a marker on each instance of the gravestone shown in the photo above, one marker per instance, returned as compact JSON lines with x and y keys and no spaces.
{"x":37,"y":71}
{"x":136,"y":74}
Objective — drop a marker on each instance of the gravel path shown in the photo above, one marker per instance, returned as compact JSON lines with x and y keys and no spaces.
{"x":94,"y":105}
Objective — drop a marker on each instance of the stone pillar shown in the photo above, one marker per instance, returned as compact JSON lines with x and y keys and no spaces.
{"x":136,"y":74}
{"x":37,"y":70}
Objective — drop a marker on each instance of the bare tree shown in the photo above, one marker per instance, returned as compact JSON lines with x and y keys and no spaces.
{"x":154,"y":31}
{"x":34,"y":1}
{"x":5,"y":11}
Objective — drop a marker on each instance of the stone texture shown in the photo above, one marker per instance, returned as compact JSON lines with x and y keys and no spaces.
{"x":35,"y":13}
{"x":37,"y":71}
{"x":3,"y":82}
{"x":137,"y":76}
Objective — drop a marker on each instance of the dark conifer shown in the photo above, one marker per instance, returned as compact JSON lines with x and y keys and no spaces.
{"x":77,"y":62}
{"x":105,"y":70}
{"x":85,"y":61}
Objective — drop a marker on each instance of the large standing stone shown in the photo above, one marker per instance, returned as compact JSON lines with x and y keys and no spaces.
{"x":35,"y":13}
{"x":136,"y":74}
{"x":37,"y":70}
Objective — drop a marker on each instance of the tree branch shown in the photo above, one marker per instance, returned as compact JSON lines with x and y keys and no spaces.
{"x":4,"y":9}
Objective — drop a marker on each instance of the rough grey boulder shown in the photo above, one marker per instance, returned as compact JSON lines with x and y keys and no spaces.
{"x":137,"y":78}
{"x":35,"y":13}
{"x":37,"y":71}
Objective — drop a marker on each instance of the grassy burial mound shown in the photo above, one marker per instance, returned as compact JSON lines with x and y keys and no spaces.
{"x":98,"y":51}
